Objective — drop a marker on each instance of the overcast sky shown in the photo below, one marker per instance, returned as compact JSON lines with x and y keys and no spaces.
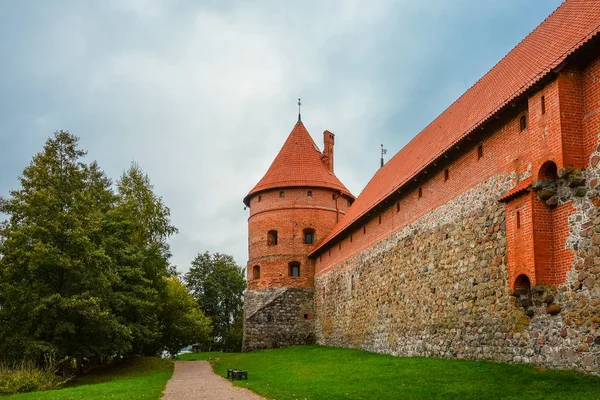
{"x":203,"y":93}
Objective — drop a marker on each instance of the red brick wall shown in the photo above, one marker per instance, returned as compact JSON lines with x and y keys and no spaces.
{"x":571,"y":116}
{"x":555,"y":135}
{"x":591,"y":106}
{"x":519,"y":241}
{"x":289,"y":216}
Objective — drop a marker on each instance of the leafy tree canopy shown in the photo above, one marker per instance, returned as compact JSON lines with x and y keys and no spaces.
{"x":218,"y":284}
{"x":84,"y":269}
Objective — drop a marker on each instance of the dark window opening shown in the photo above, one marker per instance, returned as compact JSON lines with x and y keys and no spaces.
{"x":479,"y":152}
{"x":309,"y":193}
{"x":398,"y":207}
{"x":446,"y":174}
{"x":339,"y":245}
{"x":350,"y":238}
{"x":256,"y":272}
{"x":352,"y":282}
{"x":272,"y":238}
{"x":518,"y":219}
{"x":294,"y":269}
{"x":282,"y":194}
{"x":333,"y":196}
{"x":522,"y":292}
{"x":309,"y":236}
{"x":380,"y":219}
{"x":420,"y":192}
{"x":364,"y":229}
{"x":548,"y":171}
{"x":259,"y":198}
{"x":349,"y":203}
{"x":329,"y":251}
{"x":523,"y":123}
{"x":306,"y":316}
{"x":543,"y":101}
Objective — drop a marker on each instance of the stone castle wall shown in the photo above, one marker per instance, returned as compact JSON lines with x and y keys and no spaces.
{"x":439,"y":287}
{"x":278,"y":317}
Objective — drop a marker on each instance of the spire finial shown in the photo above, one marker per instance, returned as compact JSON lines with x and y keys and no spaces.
{"x":383,"y":152}
{"x":299,"y":116}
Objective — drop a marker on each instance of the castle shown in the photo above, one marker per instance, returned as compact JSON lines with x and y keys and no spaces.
{"x":479,"y":239}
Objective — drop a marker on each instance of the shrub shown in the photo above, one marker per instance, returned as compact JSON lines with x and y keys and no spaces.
{"x":27,"y":377}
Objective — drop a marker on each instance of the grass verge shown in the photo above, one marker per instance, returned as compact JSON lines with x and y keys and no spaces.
{"x":139,"y":378}
{"x":323,"y":373}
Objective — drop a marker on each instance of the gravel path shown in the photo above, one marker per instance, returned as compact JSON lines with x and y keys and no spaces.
{"x":196,"y":380}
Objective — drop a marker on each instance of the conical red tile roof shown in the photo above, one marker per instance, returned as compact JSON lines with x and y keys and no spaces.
{"x":298,"y":164}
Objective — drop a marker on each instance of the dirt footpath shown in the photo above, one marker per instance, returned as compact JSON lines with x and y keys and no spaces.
{"x":196,"y":380}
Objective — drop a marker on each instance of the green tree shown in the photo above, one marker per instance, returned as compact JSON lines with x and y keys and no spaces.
{"x":55,"y":277}
{"x":218,"y":284}
{"x":182,"y":320}
{"x":138,"y":229}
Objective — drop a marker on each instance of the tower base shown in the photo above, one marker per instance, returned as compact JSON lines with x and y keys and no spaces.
{"x":278,"y":317}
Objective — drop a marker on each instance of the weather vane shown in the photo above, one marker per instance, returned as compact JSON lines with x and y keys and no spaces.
{"x":383,"y":151}
{"x":299,"y":104}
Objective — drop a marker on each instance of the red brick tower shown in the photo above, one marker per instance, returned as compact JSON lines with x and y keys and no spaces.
{"x":292,"y":208}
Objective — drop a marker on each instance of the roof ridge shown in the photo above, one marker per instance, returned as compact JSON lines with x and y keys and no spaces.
{"x":490,"y":94}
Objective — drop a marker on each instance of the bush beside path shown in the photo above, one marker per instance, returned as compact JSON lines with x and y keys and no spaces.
{"x":138,"y":378}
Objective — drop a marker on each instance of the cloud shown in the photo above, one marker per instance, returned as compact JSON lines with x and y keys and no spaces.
{"x":203,"y":94}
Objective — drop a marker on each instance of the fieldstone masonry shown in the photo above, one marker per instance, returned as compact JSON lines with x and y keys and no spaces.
{"x":439,"y":287}
{"x":278,"y":317}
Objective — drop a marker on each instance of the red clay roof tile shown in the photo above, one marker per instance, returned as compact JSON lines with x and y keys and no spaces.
{"x":520,"y":188}
{"x":298,"y":164}
{"x":571,"y":25}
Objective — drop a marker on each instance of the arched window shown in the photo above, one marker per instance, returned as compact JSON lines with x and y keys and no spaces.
{"x":309,"y":236}
{"x":294,"y":269}
{"x":309,"y":193}
{"x":523,"y":123}
{"x":272,"y":238}
{"x":256,"y":272}
{"x":548,"y":170}
{"x":523,"y":291}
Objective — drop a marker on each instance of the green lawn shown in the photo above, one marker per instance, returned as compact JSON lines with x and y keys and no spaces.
{"x":323,"y":373}
{"x":137,"y":378}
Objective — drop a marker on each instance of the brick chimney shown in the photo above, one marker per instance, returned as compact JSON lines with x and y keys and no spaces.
{"x":327,"y":157}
